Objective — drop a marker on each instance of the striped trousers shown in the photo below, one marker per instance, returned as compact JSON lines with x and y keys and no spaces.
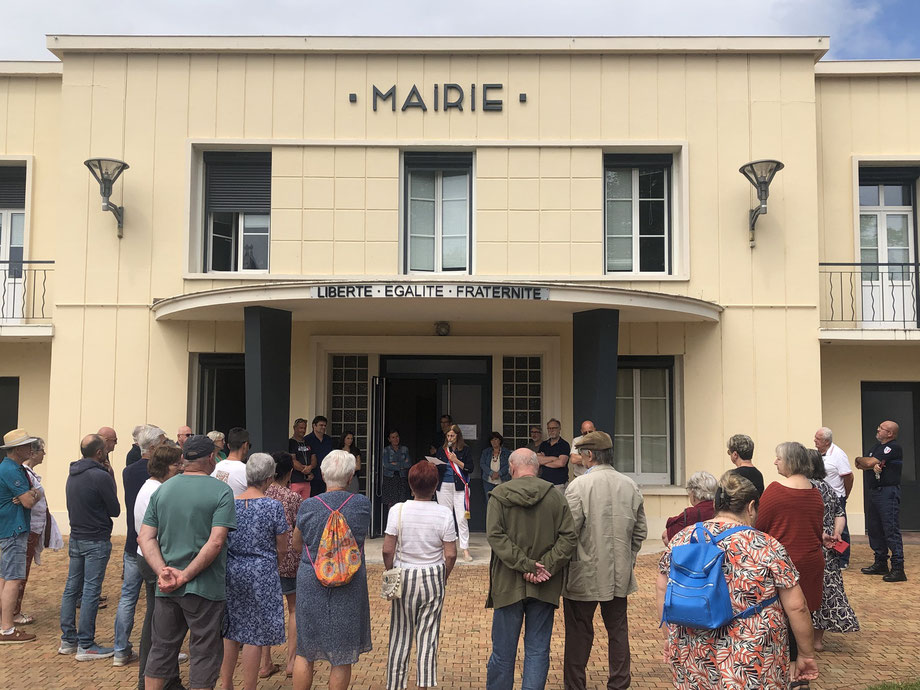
{"x":417,"y":613}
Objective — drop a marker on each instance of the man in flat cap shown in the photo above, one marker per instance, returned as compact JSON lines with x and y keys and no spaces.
{"x":17,"y":496}
{"x":184,"y":541}
{"x":609,"y":518}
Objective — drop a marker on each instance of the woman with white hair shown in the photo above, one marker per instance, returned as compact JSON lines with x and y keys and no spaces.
{"x":701,"y":489}
{"x":219,"y":443}
{"x":255,"y":607}
{"x":333,"y":623}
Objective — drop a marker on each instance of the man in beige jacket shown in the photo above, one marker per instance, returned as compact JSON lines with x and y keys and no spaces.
{"x":610,"y":521}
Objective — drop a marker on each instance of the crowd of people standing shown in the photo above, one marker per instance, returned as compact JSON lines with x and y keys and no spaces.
{"x":219,"y":544}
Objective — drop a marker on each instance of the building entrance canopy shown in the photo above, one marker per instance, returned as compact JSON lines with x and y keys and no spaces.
{"x":419,"y":300}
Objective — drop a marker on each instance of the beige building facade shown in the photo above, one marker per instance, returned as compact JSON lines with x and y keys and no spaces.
{"x":507,"y":230}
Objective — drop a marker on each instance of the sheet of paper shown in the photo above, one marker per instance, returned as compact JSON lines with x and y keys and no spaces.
{"x":468,"y":431}
{"x":434,"y":461}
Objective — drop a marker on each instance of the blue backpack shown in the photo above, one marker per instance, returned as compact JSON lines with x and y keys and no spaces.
{"x":697,"y":594}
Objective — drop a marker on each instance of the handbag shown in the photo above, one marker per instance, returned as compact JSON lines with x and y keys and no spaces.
{"x":391,"y":585}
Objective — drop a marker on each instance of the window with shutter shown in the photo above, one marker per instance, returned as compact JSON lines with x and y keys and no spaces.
{"x":238,"y":190}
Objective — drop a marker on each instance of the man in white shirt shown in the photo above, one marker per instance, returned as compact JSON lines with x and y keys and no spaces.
{"x":232,"y":470}
{"x":839,"y":477}
{"x":578,"y":469}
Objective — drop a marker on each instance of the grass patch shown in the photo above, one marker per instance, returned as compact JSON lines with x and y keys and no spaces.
{"x":910,"y":685}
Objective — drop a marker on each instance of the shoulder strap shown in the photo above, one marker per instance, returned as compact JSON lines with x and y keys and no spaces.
{"x":332,"y":510}
{"x":731,"y":531}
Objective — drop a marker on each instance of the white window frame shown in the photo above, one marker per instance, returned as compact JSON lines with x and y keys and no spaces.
{"x":881,"y":211}
{"x":636,"y":200}
{"x":405,"y":217}
{"x":239,"y":221}
{"x":640,"y":477}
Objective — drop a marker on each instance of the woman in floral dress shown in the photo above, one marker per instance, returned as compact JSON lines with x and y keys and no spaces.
{"x":255,"y":609}
{"x":835,"y":614}
{"x":748,"y":653}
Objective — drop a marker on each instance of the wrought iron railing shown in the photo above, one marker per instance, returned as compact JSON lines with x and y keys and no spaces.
{"x":866,"y":295}
{"x":25,"y":291}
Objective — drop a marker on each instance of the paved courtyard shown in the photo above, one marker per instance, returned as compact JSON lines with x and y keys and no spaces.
{"x":887,"y":612}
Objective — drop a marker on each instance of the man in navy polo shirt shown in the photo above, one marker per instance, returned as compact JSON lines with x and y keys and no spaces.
{"x":882,"y":479}
{"x":321,"y":445}
{"x":16,"y":499}
{"x":553,"y":455}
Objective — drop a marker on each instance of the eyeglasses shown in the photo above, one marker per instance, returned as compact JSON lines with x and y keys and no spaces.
{"x":553,"y":428}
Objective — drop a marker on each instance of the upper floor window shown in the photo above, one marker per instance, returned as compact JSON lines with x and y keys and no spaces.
{"x":237,"y":210}
{"x":637,"y":216}
{"x":438,"y":212}
{"x":12,"y":220}
{"x":644,"y":419}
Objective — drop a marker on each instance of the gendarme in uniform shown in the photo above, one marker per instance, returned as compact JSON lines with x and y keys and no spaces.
{"x":883,"y":499}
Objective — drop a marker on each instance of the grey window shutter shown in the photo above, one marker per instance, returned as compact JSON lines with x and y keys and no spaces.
{"x":12,"y":186}
{"x":238,"y":182}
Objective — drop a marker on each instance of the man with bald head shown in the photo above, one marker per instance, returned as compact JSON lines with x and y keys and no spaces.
{"x":111,"y":440}
{"x":182,"y":434}
{"x":578,"y":469}
{"x":882,"y":478}
{"x":91,"y":505}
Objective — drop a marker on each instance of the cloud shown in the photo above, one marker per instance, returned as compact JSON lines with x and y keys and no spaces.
{"x":857,"y":27}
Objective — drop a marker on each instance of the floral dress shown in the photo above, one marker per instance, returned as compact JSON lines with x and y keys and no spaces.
{"x":255,"y":608}
{"x":835,"y":613}
{"x":749,"y":653}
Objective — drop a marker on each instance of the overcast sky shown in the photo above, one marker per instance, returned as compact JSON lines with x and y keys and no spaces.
{"x":859,"y":29}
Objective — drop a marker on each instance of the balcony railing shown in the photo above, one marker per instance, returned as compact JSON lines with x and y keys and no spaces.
{"x":25,"y":291}
{"x":883,"y":295}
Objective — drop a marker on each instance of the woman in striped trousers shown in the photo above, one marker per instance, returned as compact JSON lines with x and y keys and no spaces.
{"x":419,"y":538}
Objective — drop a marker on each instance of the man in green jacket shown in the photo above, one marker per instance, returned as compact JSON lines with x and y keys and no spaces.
{"x":532,"y":536}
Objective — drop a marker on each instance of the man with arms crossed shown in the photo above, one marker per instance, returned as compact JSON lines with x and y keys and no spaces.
{"x":184,"y":540}
{"x":16,"y":499}
{"x":882,"y":481}
{"x":530,"y":530}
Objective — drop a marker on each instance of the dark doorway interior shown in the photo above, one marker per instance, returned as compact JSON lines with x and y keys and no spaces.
{"x":419,"y":389}
{"x":221,"y":392}
{"x":899,"y":402}
{"x":409,"y":406}
{"x":9,"y":403}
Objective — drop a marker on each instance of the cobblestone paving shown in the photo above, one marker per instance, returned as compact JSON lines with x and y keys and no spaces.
{"x":887,"y":612}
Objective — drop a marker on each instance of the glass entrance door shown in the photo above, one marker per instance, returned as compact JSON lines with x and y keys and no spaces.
{"x":411,"y":395}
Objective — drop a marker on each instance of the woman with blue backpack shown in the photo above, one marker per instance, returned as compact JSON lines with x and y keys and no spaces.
{"x":724,"y":587}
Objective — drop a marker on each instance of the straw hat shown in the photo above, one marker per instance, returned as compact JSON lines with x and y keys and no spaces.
{"x":17,"y":437}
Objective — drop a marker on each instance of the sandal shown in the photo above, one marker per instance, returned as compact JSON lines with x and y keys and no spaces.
{"x":268,"y":674}
{"x":23,"y":619}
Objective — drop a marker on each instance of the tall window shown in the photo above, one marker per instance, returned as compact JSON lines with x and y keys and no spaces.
{"x":238,"y":210}
{"x":12,"y":223}
{"x":637,"y":213}
{"x":642,"y":443}
{"x":438,"y":212}
{"x":886,"y":233}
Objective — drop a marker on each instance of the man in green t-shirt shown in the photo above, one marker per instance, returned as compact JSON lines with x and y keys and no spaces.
{"x":183,"y":539}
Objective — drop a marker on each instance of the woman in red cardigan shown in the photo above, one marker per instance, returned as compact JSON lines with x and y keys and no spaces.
{"x":792,"y":512}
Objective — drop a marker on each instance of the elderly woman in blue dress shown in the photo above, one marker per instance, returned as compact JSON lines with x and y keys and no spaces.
{"x":255,"y":607}
{"x":494,"y":463}
{"x":333,"y":623}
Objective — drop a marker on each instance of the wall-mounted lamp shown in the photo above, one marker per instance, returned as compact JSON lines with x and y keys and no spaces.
{"x":442,"y":328}
{"x":106,"y":171}
{"x":760,"y":174}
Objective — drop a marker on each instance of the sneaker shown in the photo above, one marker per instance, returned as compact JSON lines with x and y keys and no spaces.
{"x":896,"y":575}
{"x":875,"y":569}
{"x":67,"y":648}
{"x":124,"y":659}
{"x":16,"y":637}
{"x":95,"y":652}
{"x":183,"y":657}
